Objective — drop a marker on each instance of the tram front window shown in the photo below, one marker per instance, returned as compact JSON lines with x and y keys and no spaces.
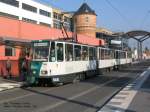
{"x":41,"y":53}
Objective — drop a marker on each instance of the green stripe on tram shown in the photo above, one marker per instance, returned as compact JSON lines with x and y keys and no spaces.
{"x":35,"y":72}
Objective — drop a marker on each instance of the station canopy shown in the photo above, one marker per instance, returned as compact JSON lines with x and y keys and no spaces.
{"x":137,"y":33}
{"x":15,"y":42}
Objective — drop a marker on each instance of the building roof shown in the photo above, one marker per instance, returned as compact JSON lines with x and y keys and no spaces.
{"x":104,"y":30}
{"x":85,"y":9}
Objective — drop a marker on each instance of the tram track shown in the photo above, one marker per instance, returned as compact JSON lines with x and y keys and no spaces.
{"x":51,"y":89}
{"x":75,"y":97}
{"x":71,"y":99}
{"x":33,"y":91}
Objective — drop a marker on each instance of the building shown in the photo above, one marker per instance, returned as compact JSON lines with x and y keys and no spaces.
{"x":60,"y":17}
{"x":26,"y":21}
{"x":85,"y":21}
{"x":113,"y":40}
{"x":103,"y":31}
{"x":107,"y":35}
{"x":27,"y":10}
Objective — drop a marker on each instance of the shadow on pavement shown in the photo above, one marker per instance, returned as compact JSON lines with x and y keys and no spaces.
{"x":64,"y":99}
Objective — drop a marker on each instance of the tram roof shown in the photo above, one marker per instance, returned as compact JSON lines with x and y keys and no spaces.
{"x":15,"y":42}
{"x":65,"y":40}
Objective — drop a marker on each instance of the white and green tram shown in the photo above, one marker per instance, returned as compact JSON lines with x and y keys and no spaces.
{"x":63,"y":61}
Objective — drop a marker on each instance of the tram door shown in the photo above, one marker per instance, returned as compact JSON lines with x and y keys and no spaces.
{"x":117,"y":57}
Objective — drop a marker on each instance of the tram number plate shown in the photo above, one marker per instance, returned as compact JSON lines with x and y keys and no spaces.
{"x":55,"y":79}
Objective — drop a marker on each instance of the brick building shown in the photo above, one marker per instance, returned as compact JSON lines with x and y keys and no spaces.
{"x":85,"y":21}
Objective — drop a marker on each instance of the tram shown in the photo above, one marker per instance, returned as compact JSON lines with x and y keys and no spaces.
{"x":63,"y":61}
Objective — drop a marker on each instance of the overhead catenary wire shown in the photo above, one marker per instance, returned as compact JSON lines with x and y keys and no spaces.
{"x":119,"y":13}
{"x":144,"y":20}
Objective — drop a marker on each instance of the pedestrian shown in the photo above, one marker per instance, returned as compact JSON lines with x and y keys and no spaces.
{"x":24,"y":69}
{"x":8,"y":67}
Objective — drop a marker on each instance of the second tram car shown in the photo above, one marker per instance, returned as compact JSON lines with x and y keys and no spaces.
{"x":62,"y":62}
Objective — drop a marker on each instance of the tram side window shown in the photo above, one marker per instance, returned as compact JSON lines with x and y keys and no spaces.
{"x":99,"y":53}
{"x":129,"y":55}
{"x":69,"y":52}
{"x":52,"y":52}
{"x":102,"y":54}
{"x":85,"y":53}
{"x":77,"y":52}
{"x":107,"y":54}
{"x":123,"y":55}
{"x":117,"y":55}
{"x":92,"y":53}
{"x":60,"y":54}
{"x":112,"y":54}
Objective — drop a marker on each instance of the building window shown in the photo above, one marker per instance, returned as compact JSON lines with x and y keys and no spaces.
{"x":11,"y":2}
{"x":67,"y":26}
{"x":87,"y":19}
{"x":57,"y":24}
{"x":45,"y":13}
{"x":29,"y":20}
{"x":9,"y":51}
{"x":65,"y":19}
{"x":59,"y":17}
{"x":9,"y":15}
{"x":55,"y":15}
{"x":29,"y":8}
{"x":45,"y":24}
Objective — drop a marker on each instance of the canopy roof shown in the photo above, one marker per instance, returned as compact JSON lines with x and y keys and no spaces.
{"x":137,"y":33}
{"x":15,"y":42}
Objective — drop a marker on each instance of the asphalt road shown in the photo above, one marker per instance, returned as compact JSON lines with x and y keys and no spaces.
{"x":85,"y":96}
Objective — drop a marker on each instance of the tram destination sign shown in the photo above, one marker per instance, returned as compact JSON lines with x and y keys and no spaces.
{"x":41,"y":44}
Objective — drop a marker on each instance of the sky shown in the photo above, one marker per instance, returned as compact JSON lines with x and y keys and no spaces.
{"x":115,"y":15}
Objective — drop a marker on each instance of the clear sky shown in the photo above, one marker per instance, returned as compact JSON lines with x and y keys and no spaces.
{"x":116,"y":15}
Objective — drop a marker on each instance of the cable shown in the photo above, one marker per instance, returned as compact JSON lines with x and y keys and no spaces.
{"x":144,"y":19}
{"x":121,"y":15}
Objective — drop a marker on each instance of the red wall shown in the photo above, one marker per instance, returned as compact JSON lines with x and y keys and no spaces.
{"x":19,"y":29}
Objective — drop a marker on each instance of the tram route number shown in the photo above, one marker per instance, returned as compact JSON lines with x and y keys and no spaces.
{"x":41,"y":44}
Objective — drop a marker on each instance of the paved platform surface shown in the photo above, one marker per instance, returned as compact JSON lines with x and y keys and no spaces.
{"x":141,"y":102}
{"x":6,"y":84}
{"x":135,"y":97}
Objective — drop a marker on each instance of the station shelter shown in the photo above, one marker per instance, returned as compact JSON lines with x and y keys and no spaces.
{"x":16,"y":35}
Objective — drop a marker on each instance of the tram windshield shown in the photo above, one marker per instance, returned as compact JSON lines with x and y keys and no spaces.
{"x":41,"y":53}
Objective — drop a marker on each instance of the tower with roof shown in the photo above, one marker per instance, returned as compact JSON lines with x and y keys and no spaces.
{"x":85,"y":20}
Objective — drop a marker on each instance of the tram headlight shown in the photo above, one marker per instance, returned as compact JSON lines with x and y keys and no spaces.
{"x":44,"y":72}
{"x":34,"y":72}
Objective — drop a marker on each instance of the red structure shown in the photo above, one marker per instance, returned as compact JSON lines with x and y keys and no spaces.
{"x":23,"y":30}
